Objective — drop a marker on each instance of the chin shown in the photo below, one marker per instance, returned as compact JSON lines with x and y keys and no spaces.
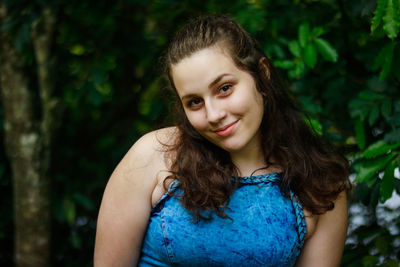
{"x":232,"y":148}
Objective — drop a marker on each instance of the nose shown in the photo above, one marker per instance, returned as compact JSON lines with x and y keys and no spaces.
{"x":215,"y":112}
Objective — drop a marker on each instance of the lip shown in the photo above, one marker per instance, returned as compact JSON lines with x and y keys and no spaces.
{"x":226,"y":130}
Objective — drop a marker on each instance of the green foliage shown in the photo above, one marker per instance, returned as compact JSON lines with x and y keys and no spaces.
{"x":387,"y":183}
{"x":375,"y":111}
{"x":388,"y":12}
{"x":384,"y":60}
{"x":304,"y":34}
{"x":305,"y":49}
{"x":326,"y":50}
{"x":310,"y":55}
{"x":391,"y":19}
{"x":342,"y":75}
{"x":378,"y":14}
{"x":378,"y":148}
{"x":366,"y":169}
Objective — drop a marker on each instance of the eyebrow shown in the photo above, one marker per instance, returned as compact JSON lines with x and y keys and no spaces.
{"x":217,"y":80}
{"x":213,"y":83}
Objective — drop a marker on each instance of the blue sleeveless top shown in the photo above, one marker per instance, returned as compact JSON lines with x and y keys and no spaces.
{"x":266,"y":229}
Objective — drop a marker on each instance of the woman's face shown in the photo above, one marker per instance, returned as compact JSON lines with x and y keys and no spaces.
{"x":220,"y":100}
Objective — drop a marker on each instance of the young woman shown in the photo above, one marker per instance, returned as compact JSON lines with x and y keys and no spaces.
{"x":241,"y":180}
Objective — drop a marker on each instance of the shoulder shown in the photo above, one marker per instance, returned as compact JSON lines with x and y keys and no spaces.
{"x":147,"y":163}
{"x":148,"y":152}
{"x":142,"y":167}
{"x":126,"y":204}
{"x":153,"y":142}
{"x":326,"y":243}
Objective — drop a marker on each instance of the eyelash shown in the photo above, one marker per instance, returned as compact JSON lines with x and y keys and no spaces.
{"x":224,"y":86}
{"x":191,"y":103}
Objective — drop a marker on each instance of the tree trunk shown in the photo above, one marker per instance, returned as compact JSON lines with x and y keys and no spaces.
{"x":27,"y":141}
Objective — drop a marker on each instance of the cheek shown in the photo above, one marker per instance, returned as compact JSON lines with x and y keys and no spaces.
{"x":249,"y":104}
{"x":242,"y":104}
{"x":197,"y":120}
{"x":259,"y":102}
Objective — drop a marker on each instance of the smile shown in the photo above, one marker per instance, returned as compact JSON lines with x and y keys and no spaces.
{"x":226,"y":130}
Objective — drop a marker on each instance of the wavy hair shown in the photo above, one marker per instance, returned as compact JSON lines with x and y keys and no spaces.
{"x":310,"y":168}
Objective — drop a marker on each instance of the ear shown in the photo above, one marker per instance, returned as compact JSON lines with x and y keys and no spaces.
{"x":264,"y":66}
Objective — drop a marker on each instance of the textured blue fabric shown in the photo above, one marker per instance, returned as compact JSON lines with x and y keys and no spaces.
{"x":266,"y":229}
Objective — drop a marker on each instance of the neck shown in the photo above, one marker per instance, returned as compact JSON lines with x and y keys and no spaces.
{"x":248,"y":161}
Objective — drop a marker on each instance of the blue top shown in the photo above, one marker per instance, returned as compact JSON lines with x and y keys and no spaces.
{"x":266,"y":229}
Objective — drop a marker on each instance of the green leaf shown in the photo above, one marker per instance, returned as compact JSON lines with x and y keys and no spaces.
{"x":387,"y":183}
{"x":295,"y":48}
{"x":148,"y":103}
{"x":370,"y":260}
{"x":374,"y":198}
{"x":386,"y":108}
{"x":380,"y":58}
{"x":76,"y":240}
{"x":284,"y":64}
{"x":78,"y":50}
{"x":387,"y":64}
{"x":378,"y":14}
{"x":370,"y":95}
{"x":326,"y":50}
{"x":310,"y":105}
{"x":384,"y":60}
{"x":391,"y":263}
{"x":381,"y":243}
{"x":361,"y":193}
{"x":373,"y":115}
{"x":304,"y":33}
{"x":390,"y":19}
{"x":298,"y":70}
{"x":83,"y":200}
{"x":367,"y":169}
{"x":394,"y":120}
{"x":70,"y":211}
{"x":310,"y":55}
{"x":314,"y":124}
{"x":397,"y":186}
{"x":392,"y":136}
{"x":379,"y":148}
{"x":396,"y":58}
{"x":317,"y":126}
{"x":360,"y":134}
{"x":359,"y":108}
{"x":317,"y":31}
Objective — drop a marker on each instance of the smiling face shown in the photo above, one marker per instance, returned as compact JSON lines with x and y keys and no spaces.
{"x":220,"y":100}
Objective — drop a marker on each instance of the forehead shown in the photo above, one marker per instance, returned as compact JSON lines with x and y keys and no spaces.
{"x":199,"y":69}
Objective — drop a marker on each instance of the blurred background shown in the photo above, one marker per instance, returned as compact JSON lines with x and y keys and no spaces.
{"x":81,"y":81}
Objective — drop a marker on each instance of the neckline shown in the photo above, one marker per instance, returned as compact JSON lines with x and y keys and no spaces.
{"x":274,"y":177}
{"x":268,"y":177}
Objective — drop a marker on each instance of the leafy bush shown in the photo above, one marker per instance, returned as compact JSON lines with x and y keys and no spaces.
{"x":340,"y":59}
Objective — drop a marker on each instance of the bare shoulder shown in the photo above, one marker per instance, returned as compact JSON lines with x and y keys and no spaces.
{"x":148,"y":153}
{"x":127,"y":200}
{"x":324,"y":247}
{"x":147,"y":164}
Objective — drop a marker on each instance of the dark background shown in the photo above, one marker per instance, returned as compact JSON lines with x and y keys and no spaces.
{"x":341,"y":66}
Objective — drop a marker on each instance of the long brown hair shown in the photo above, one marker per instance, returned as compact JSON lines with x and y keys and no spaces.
{"x":313,"y":171}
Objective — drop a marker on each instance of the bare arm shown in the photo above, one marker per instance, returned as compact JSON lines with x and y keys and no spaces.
{"x":325,"y":246}
{"x":126,"y":205}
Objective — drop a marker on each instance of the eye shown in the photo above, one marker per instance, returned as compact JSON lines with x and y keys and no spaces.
{"x":194,"y":103}
{"x":225,"y":89}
